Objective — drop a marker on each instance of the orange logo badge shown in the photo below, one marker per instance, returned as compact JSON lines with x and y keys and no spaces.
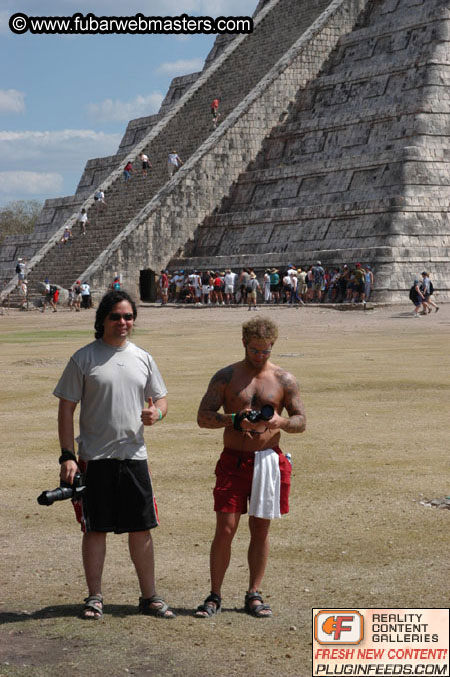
{"x":338,"y":626}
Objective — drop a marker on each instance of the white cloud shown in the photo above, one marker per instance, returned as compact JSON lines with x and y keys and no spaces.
{"x":49,"y":150}
{"x":114,"y":110}
{"x":30,"y":183}
{"x":48,"y":163}
{"x":12,"y":101}
{"x":180,"y":67}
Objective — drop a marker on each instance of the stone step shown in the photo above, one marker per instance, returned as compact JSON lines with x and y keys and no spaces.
{"x":398,"y":110}
{"x":386,"y":259}
{"x":412,"y":156}
{"x":337,"y":187}
{"x":405,"y":215}
{"x":377,"y":76}
{"x":389,"y":40}
{"x":414,"y":17}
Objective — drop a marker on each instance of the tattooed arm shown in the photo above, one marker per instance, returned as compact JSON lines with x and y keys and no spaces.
{"x":208,"y":412}
{"x":296,"y":423}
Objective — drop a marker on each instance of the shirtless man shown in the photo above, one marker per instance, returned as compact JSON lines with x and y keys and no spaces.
{"x":250,"y":447}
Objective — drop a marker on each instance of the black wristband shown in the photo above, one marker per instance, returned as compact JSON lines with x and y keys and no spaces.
{"x":67,"y":455}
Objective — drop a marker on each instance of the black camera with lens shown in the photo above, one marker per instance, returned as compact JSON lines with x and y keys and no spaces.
{"x":254,"y":416}
{"x":265,"y":414}
{"x":64,"y":491}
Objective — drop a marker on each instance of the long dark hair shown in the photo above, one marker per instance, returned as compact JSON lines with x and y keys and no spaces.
{"x":106,"y":305}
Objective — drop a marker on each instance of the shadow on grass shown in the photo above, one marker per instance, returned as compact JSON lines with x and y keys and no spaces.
{"x":74,"y":610}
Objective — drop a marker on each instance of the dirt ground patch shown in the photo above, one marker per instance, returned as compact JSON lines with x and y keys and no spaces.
{"x":376,"y":391}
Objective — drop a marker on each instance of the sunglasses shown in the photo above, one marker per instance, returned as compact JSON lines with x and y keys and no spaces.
{"x":116,"y":317}
{"x":254,"y":351}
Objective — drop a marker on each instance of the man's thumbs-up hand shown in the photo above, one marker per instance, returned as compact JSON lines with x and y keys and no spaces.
{"x":150,"y":415}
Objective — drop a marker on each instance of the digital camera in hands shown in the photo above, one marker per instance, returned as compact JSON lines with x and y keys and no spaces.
{"x":264,"y":414}
{"x":254,"y":416}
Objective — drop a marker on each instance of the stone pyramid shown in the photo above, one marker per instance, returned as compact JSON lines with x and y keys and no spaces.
{"x":358,"y":169}
{"x":332,"y":145}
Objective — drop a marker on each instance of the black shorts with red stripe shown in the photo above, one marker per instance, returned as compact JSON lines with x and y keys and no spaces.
{"x":118,"y":497}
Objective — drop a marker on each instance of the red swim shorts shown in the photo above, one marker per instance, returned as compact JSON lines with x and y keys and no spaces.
{"x":234,"y":475}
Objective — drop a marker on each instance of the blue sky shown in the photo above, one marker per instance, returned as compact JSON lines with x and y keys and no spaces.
{"x":66,"y":99}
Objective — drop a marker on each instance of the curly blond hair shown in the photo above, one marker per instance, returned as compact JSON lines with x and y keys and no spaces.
{"x":259,"y":328}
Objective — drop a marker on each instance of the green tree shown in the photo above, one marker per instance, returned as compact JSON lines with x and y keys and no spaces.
{"x":18,"y":217}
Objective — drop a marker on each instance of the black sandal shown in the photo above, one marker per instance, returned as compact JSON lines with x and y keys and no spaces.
{"x":146,"y":608}
{"x":92,"y":605}
{"x":256,"y":610}
{"x":211,"y":606}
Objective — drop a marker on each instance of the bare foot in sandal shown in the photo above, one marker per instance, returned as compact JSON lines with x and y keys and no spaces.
{"x":211,"y":606}
{"x":93,"y":608}
{"x":155,"y":606}
{"x":255,"y":607}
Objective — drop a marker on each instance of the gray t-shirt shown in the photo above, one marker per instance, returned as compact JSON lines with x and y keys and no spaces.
{"x":113,"y":385}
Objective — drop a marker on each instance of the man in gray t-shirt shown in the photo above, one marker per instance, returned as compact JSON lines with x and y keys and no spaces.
{"x":113,"y":380}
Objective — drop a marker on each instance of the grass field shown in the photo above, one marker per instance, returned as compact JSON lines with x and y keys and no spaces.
{"x":376,"y":391}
